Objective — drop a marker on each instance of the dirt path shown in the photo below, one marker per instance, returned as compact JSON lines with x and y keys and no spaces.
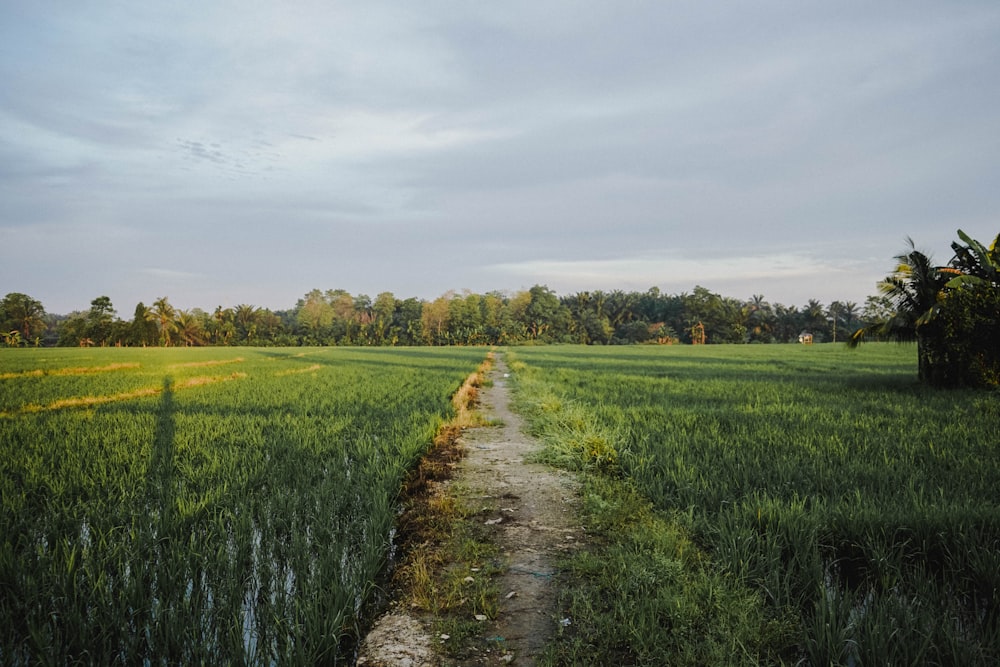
{"x":532,"y":507}
{"x":529,"y":509}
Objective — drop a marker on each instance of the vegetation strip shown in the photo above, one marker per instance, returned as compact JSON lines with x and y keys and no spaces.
{"x":296,"y":371}
{"x":213,"y":362}
{"x":39,"y":372}
{"x":91,"y":401}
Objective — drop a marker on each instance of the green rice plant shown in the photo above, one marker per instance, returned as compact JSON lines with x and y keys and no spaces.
{"x":829,"y":482}
{"x":215,"y":517}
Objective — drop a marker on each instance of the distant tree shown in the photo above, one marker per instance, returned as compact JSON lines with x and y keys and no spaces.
{"x":589,"y":323}
{"x":245,"y":317}
{"x":544,"y":317}
{"x":190,"y":328}
{"x":814,"y":315}
{"x":383,"y":310}
{"x":434,"y":320}
{"x":315,"y":316}
{"x":270,"y":329}
{"x":100,"y":319}
{"x":165,"y":317}
{"x":345,"y":322}
{"x":787,"y":323}
{"x":714,"y":313}
{"x":465,"y":319}
{"x":759,"y":319}
{"x":73,"y":330}
{"x":877,"y":308}
{"x":22,"y":313}
{"x":407,"y":320}
{"x":221,"y":326}
{"x":143,"y":329}
{"x":497,"y":322}
{"x":849,"y":311}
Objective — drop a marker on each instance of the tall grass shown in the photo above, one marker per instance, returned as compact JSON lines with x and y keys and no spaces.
{"x":826,"y":480}
{"x":201,"y":521}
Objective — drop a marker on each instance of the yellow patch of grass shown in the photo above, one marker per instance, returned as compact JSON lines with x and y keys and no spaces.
{"x":214,"y":362}
{"x":91,"y":401}
{"x":310,"y":369}
{"x":39,"y":372}
{"x":207,"y":379}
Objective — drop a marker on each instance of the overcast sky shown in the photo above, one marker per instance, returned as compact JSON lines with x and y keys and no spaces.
{"x":221,"y":153}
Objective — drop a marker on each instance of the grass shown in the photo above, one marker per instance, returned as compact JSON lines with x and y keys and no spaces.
{"x":205,"y":505}
{"x":841,"y":513}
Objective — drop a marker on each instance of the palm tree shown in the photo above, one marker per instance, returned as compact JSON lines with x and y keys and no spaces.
{"x":758,"y":315}
{"x":913,"y":289}
{"x":189,"y":328}
{"x":850,"y":312}
{"x":165,"y":315}
{"x":245,"y":317}
{"x":222,"y":325}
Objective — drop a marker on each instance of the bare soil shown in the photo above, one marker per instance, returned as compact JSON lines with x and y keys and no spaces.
{"x":530,"y":511}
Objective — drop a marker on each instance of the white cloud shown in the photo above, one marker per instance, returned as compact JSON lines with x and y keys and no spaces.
{"x":773,"y":144}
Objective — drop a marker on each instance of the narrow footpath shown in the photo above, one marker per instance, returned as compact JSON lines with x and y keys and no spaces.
{"x":532,"y":506}
{"x":529,"y":509}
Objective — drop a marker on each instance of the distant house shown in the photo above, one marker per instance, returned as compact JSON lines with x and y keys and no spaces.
{"x":806,"y":338}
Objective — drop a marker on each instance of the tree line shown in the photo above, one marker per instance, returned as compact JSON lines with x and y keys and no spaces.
{"x":952,"y":312}
{"x":336,"y":317}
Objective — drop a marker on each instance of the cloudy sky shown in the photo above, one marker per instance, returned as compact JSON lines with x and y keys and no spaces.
{"x":231,"y":152}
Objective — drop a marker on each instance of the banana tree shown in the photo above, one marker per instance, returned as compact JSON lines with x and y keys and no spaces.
{"x":974,"y":264}
{"x":12,"y":338}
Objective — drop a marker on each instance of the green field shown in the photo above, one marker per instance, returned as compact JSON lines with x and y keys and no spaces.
{"x":840,"y":512}
{"x":193,"y":506}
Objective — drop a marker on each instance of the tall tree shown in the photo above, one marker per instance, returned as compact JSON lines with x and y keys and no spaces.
{"x":245,"y":316}
{"x":190,"y":328}
{"x":165,"y":316}
{"x":19,"y":312}
{"x":100,"y":319}
{"x":434,"y":320}
{"x":544,"y":317}
{"x":383,"y":310}
{"x":912,"y":289}
{"x":143,"y":329}
{"x":315,"y":316}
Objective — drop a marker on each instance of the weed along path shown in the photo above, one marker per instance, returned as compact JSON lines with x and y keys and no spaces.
{"x":521,"y":517}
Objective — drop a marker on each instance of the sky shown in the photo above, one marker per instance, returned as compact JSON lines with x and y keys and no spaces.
{"x":247,"y":152}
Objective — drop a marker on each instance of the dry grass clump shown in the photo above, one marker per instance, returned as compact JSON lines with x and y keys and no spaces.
{"x":90,"y":401}
{"x":212,"y":362}
{"x":39,"y":372}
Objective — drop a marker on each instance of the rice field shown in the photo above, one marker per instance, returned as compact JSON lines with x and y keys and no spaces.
{"x":205,"y":506}
{"x":853,"y":503}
